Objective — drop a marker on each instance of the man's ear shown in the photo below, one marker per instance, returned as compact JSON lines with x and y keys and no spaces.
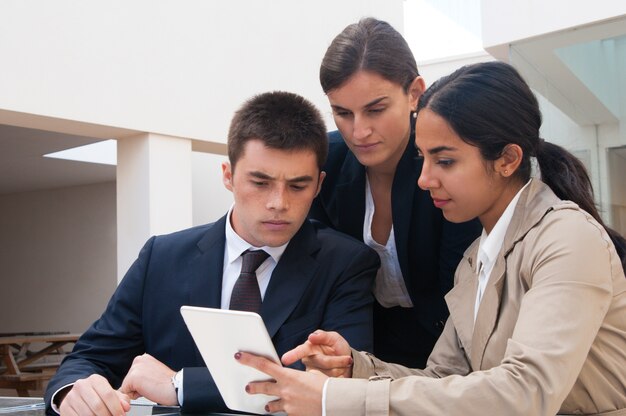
{"x":227,"y":175}
{"x":509,"y":161}
{"x":319,"y":183}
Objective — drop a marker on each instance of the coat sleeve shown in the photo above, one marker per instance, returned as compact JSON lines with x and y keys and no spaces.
{"x":541,"y":362}
{"x":349,"y":309}
{"x":109,"y":346}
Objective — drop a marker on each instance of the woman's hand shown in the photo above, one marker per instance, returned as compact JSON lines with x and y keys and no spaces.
{"x":326,"y":352}
{"x":299,"y":393}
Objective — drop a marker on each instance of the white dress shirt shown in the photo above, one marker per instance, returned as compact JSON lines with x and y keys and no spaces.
{"x":389,"y":287}
{"x":489,"y":247}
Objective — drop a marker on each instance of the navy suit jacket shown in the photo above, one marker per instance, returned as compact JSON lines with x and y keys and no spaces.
{"x":323,"y":280}
{"x":429,"y":247}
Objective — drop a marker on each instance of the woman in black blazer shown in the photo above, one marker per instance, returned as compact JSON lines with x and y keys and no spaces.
{"x":371,"y":80}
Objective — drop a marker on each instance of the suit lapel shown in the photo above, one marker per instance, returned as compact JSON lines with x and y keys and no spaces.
{"x":402,"y":198}
{"x":351,"y":197}
{"x":205,"y":283}
{"x":487,"y":312}
{"x":290,"y":278}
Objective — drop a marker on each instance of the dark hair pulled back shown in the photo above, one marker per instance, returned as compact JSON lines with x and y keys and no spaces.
{"x":368,"y":45}
{"x":489,"y":105}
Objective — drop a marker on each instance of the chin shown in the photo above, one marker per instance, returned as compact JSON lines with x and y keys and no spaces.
{"x":455,"y":218}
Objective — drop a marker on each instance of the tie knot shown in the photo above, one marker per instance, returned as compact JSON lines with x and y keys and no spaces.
{"x":252,"y":259}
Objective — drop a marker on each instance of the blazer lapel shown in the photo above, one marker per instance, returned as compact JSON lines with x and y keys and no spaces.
{"x":461,"y":305}
{"x":487,"y":311}
{"x":205,"y":283}
{"x":402,"y":198}
{"x":351,"y":198}
{"x":290,"y":278}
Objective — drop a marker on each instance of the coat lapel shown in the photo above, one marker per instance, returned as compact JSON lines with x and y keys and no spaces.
{"x":351,"y":197}
{"x":290,"y":278}
{"x":534,"y":202}
{"x":487,"y":312}
{"x":402,"y":198}
{"x":206,"y":269}
{"x":461,"y":305}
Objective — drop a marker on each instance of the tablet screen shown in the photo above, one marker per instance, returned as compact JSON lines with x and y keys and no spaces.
{"x":219,"y":334}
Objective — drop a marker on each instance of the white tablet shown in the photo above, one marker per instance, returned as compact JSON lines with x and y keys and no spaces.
{"x":219,"y":334}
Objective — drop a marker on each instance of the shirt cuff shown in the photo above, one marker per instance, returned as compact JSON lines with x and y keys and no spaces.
{"x":324,"y":397}
{"x":179,"y":384}
{"x":53,"y":405}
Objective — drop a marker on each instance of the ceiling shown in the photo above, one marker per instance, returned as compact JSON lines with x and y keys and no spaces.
{"x":23,"y":167}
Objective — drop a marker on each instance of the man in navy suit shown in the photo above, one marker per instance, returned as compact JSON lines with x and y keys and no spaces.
{"x":313,"y":278}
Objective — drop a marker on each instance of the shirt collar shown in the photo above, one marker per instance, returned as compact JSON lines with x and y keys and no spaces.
{"x":235,"y":245}
{"x":491,"y":243}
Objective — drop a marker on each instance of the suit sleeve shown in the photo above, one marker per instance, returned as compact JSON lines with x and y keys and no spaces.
{"x":349,"y":310}
{"x":541,"y":362}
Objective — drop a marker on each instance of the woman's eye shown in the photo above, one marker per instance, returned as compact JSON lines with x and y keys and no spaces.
{"x":445,"y":162}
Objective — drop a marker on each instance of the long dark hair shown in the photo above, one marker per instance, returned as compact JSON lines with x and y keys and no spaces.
{"x":369,"y":45}
{"x":489,"y":105}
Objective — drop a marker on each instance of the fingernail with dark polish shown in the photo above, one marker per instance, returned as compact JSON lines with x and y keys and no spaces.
{"x":247,"y":388}
{"x":267,"y":408}
{"x":237,"y":355}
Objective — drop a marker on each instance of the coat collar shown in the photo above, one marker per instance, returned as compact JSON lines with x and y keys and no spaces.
{"x":534,"y":203}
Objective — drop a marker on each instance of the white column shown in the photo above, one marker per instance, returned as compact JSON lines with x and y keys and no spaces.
{"x":153,"y":191}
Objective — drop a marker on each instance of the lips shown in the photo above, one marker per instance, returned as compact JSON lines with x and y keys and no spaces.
{"x":276,"y":224}
{"x":440,"y":203}
{"x":365,"y":147}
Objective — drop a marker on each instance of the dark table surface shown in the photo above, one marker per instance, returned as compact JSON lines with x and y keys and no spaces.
{"x":33,"y":406}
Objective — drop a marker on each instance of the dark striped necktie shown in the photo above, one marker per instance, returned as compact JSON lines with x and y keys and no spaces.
{"x":246,"y":295}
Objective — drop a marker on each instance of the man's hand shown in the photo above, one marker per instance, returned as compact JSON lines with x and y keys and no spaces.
{"x":94,"y":396}
{"x":150,"y":378}
{"x":326,"y":352}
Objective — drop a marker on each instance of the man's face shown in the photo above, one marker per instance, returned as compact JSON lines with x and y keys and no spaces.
{"x":273,"y":191}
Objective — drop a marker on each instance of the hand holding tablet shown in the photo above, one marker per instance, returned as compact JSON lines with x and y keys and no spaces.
{"x":219,"y":334}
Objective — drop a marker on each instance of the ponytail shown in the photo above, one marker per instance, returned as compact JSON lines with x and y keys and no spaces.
{"x":567,"y":177}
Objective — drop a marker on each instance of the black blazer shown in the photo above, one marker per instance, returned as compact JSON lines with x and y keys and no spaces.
{"x":323,"y":280}
{"x":429,"y":247}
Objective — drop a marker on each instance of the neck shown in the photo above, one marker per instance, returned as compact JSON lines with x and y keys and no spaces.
{"x":508,"y":192}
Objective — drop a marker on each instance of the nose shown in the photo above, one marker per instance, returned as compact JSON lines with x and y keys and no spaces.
{"x":278,"y":199}
{"x":426,"y":180}
{"x":361,"y":128}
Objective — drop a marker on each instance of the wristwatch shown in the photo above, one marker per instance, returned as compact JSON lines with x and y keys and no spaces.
{"x":177,"y":382}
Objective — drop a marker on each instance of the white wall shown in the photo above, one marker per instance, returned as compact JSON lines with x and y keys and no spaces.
{"x":177,"y":68}
{"x":57,"y":257}
{"x":211,"y":200}
{"x":505,"y":21}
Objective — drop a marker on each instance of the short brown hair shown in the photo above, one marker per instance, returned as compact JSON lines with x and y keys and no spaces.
{"x":281,"y":120}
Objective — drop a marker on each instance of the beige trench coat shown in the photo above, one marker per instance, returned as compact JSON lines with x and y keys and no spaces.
{"x":550,"y":335}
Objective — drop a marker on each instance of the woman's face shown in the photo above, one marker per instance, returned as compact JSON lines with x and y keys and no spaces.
{"x":461,"y":183}
{"x":373,"y":115}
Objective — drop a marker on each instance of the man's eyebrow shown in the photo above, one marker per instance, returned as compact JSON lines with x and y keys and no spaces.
{"x":265,"y":176}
